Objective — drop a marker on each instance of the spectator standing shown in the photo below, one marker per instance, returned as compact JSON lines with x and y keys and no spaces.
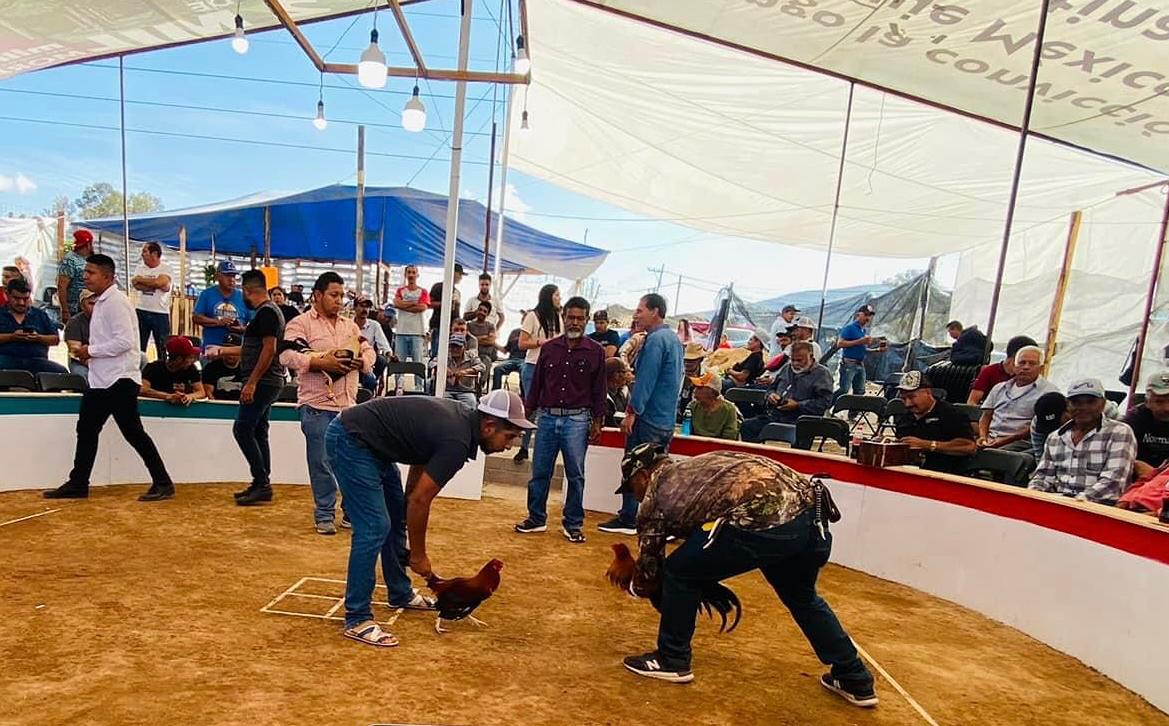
{"x":802,"y":387}
{"x":371,"y":330}
{"x":152,"y":280}
{"x":387,"y":317}
{"x":77,"y":334}
{"x":114,"y":382}
{"x":281,"y":301}
{"x":653,"y":403}
{"x":263,"y":376}
{"x":454,"y":299}
{"x":1150,"y":424}
{"x":463,"y":371}
{"x":495,"y":312}
{"x":603,"y":334}
{"x":804,"y":328}
{"x":941,"y":432}
{"x":8,"y":273}
{"x":514,"y":362}
{"x":26,"y":333}
{"x":540,"y":325}
{"x":1091,"y":456}
{"x":71,"y":274}
{"x":328,"y":383}
{"x":296,"y":296}
{"x":786,"y":319}
{"x":483,"y":331}
{"x":995,"y":373}
{"x":220,"y":308}
{"x":174,"y":379}
{"x":220,"y":375}
{"x":710,"y":414}
{"x":411,"y":301}
{"x":969,"y":348}
{"x":853,"y":341}
{"x":568,"y":393}
{"x":1007,"y":411}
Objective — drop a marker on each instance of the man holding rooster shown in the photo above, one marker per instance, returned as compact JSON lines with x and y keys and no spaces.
{"x":737,"y":512}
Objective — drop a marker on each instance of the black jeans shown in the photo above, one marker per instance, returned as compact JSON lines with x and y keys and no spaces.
{"x":97,"y":405}
{"x":153,"y":324}
{"x":790,"y":557}
{"x":251,"y":433}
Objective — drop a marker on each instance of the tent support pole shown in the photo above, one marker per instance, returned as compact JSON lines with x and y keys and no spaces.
{"x":490,"y":188}
{"x":381,"y":253}
{"x":923,"y":306}
{"x":452,"y":206}
{"x":125,"y":197}
{"x":1150,"y":299}
{"x":1020,"y":151}
{"x":511,"y":284}
{"x":359,"y":232}
{"x":267,"y":236}
{"x":182,"y":296}
{"x":835,"y":206}
{"x":500,"y":293}
{"x":1061,"y":289}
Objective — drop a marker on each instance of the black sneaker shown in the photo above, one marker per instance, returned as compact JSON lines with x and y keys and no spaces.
{"x":241,"y":493}
{"x":530,"y":527}
{"x":157,"y":493}
{"x":572,"y":535}
{"x":66,"y":491}
{"x":521,"y":456}
{"x":650,"y":665}
{"x":858,"y":693}
{"x":255,"y":495}
{"x":617,"y":526}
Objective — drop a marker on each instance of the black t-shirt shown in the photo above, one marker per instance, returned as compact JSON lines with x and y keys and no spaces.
{"x":753,"y":364}
{"x":441,"y":433}
{"x":164,"y":380}
{"x":266,"y":323}
{"x":1152,"y":436}
{"x":289,"y":311}
{"x":609,"y":337}
{"x":436,"y":296}
{"x":943,"y":423}
{"x":223,"y":378}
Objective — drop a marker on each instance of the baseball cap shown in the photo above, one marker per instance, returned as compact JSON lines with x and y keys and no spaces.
{"x":637,"y":459}
{"x":86,"y":294}
{"x":364,"y":302}
{"x":233,"y":339}
{"x":866,"y":309}
{"x":1086,"y":387}
{"x":506,"y":405}
{"x":181,"y":346}
{"x":693,"y":351}
{"x":708,"y":380}
{"x":761,"y":335}
{"x":1159,"y":383}
{"x":601,"y":315}
{"x":1049,"y":411}
{"x":227,"y":267}
{"x":82,"y":237}
{"x":459,"y":268}
{"x":459,"y":339}
{"x":790,"y":309}
{"x":803,"y":322}
{"x":913,"y":380}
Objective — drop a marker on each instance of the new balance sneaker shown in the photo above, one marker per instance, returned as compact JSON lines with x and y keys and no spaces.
{"x":858,"y":693}
{"x":572,"y":535}
{"x":651,"y":665}
{"x":530,"y":527}
{"x":157,"y":493}
{"x":617,"y":526}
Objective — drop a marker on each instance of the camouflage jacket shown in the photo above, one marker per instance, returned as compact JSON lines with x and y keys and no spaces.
{"x":743,"y":490}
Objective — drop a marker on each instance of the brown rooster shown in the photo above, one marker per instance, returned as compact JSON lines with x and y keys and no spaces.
{"x":459,"y":596}
{"x":716,"y":597}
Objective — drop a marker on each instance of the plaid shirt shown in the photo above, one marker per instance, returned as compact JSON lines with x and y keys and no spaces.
{"x":1097,"y":469}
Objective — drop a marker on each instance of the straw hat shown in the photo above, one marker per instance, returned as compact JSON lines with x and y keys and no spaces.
{"x":694,"y":351}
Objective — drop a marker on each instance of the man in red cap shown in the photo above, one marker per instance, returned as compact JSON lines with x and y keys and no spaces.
{"x":174,"y":379}
{"x":70,"y":274}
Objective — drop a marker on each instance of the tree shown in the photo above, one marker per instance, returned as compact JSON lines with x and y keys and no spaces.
{"x":61,"y":203}
{"x":102,"y":200}
{"x":902,"y":277}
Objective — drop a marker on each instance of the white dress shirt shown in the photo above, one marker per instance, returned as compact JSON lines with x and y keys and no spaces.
{"x":372,"y":332}
{"x":113,"y":340}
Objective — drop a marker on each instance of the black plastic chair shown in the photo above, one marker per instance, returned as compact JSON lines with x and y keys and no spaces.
{"x":955,"y":379}
{"x":363,"y":395}
{"x":415,"y":368}
{"x":756,"y":396}
{"x":287,"y":394}
{"x":61,"y":383}
{"x":776,"y":431}
{"x":893,"y":409}
{"x":1138,"y":399}
{"x":811,"y":428}
{"x":1005,"y":467}
{"x":863,"y":406}
{"x":1116,"y":397}
{"x":17,"y":382}
{"x":940,"y":393}
{"x":972,"y":412}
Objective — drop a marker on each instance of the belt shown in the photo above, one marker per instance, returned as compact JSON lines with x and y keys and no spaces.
{"x":565,"y":411}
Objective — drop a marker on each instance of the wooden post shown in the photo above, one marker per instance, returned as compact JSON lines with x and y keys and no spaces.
{"x":60,"y":236}
{"x":1150,"y":299}
{"x":267,"y":236}
{"x":1061,"y":288}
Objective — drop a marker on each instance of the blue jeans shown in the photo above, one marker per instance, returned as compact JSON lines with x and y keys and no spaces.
{"x":313,"y":423}
{"x":409,"y":348}
{"x":790,"y":557}
{"x":79,"y":369}
{"x":852,"y":375}
{"x":32,"y":365}
{"x":526,"y":375}
{"x":569,"y":437}
{"x":466,"y":398}
{"x":251,"y":433}
{"x":156,"y":324}
{"x":642,"y":433}
{"x":504,"y":369}
{"x":376,"y":505}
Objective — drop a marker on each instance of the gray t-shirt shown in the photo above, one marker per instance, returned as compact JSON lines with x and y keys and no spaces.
{"x":268,"y":321}
{"x":441,"y":433}
{"x":1013,"y":406}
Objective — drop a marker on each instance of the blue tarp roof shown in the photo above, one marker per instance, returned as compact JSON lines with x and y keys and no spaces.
{"x":319,"y":225}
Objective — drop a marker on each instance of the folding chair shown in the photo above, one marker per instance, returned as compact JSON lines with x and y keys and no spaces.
{"x":1005,"y":467}
{"x":940,"y":393}
{"x":287,"y":394}
{"x":778,"y":432}
{"x":893,"y":409}
{"x":972,"y":412}
{"x":810,"y":428}
{"x":363,"y":395}
{"x":61,"y":383}
{"x":17,"y":381}
{"x":1138,"y":399}
{"x":862,"y":406}
{"x":1116,"y":397}
{"x":755,"y":396}
{"x":416,"y":368}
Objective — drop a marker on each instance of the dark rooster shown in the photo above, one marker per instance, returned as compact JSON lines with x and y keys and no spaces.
{"x":459,"y":596}
{"x":716,"y":597}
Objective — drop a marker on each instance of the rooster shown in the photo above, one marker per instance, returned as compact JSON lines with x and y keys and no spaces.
{"x":716,"y":597}
{"x":459,"y":596}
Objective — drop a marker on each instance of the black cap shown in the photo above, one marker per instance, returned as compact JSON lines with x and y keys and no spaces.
{"x":233,"y":339}
{"x":638,"y":458}
{"x":866,"y":309}
{"x":459,"y":268}
{"x":1049,"y":411}
{"x":790,"y":309}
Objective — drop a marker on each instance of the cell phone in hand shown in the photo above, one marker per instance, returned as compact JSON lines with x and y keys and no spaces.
{"x":28,"y":329}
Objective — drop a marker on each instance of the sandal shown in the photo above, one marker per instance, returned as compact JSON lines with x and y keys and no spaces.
{"x":371,"y":633}
{"x":418,"y":602}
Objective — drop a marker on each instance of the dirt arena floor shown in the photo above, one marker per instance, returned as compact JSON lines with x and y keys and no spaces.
{"x":116,"y":612}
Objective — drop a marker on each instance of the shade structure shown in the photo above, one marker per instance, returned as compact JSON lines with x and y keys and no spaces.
{"x":320,"y":225}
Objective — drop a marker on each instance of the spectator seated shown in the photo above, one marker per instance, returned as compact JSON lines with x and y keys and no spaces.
{"x":935,"y":428}
{"x":801,"y":388}
{"x":463,"y":370}
{"x":710,"y":414}
{"x":26,"y":333}
{"x":220,"y":378}
{"x":1008,"y":409}
{"x":176,"y":379}
{"x":617,"y":380}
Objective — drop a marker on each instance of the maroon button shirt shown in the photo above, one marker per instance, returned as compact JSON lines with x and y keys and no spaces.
{"x":569,"y":377}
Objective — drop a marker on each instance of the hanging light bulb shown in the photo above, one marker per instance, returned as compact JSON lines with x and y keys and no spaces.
{"x":371,"y":70}
{"x":320,"y":122}
{"x":414,"y":113}
{"x":239,"y":40}
{"x":524,"y":121}
{"x":522,"y":63}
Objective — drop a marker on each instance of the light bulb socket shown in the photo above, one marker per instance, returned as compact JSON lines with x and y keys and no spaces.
{"x":524,"y":120}
{"x":415,"y":94}
{"x":519,"y":43}
{"x":239,"y":22}
{"x":373,"y":36}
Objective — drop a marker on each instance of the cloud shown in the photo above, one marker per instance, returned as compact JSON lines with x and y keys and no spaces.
{"x":20,"y":184}
{"x":516,"y":207}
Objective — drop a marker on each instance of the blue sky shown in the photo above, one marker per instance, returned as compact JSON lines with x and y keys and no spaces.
{"x":202,"y":97}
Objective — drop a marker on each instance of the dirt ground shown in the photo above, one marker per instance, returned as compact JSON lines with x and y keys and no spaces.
{"x":116,"y":612}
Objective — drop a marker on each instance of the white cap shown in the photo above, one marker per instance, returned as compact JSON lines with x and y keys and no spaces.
{"x":1086,"y":387}
{"x":506,"y":405}
{"x":804,"y":322}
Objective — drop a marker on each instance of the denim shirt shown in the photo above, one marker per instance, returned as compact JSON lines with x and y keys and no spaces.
{"x":658,"y":379}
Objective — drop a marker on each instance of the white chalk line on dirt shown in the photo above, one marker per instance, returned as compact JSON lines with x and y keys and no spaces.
{"x":31,"y":516}
{"x":897,"y":686}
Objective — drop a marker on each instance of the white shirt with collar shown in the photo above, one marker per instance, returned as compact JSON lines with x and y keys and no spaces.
{"x":372,"y":332}
{"x":113,"y":340}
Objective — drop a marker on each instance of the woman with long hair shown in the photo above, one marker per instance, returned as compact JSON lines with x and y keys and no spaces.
{"x":541,"y":324}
